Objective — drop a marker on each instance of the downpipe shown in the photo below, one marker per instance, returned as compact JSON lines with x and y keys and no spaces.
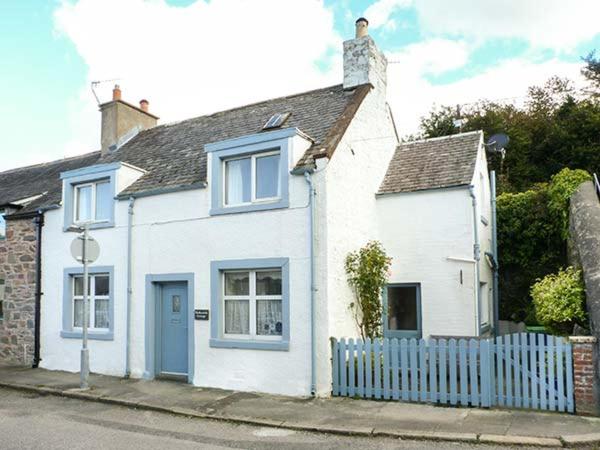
{"x":129,"y":285}
{"x":39,"y":222}
{"x":476,"y":257}
{"x":495,"y":253}
{"x":313,"y":353}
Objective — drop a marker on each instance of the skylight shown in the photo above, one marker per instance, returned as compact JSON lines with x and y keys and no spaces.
{"x":276,"y":121}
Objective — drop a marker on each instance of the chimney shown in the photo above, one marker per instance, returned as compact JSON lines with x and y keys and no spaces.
{"x":363,"y":62}
{"x":121,"y":121}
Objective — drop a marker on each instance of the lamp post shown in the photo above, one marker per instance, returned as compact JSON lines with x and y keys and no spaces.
{"x":85,"y":250}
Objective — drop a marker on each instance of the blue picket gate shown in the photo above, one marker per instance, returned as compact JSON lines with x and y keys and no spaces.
{"x":533,"y":371}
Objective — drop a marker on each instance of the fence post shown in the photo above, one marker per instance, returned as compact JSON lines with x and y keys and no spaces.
{"x":585,"y":371}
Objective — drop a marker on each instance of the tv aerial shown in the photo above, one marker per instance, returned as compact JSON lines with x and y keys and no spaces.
{"x":497,"y":143}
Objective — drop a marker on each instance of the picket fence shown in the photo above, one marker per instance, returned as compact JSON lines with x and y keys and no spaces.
{"x":525,"y":370}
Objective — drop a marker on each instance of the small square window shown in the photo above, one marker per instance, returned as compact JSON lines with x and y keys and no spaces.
{"x":93,"y":202}
{"x":252,"y":179}
{"x":403,"y":311}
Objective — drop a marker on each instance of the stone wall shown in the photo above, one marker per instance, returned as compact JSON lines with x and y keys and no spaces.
{"x":17,"y":268}
{"x":585,"y":381}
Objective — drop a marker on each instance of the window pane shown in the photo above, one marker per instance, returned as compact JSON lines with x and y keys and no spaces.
{"x":238,"y":181}
{"x":78,"y":313}
{"x":78,"y":282}
{"x":267,"y":176}
{"x":101,"y":285}
{"x":269,"y":318}
{"x":101,"y":314}
{"x":84,"y":204}
{"x":237,"y":283}
{"x":237,"y":317}
{"x":402,"y":308}
{"x":103,"y":201}
{"x":268,"y":283}
{"x":2,"y":225}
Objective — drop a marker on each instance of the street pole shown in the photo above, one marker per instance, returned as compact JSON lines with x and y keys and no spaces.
{"x":85,"y":355}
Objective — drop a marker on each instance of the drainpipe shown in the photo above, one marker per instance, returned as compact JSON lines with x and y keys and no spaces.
{"x":129,"y":285}
{"x":313,"y":353}
{"x":476,"y":257}
{"x":39,"y":221}
{"x":495,"y":253}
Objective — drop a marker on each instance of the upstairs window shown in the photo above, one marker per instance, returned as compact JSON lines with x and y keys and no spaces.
{"x":2,"y":225}
{"x":93,"y":202}
{"x":252,"y":179}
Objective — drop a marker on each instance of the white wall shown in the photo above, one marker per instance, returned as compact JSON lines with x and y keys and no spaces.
{"x":173,"y":233}
{"x":347,"y":219}
{"x":429,"y":236}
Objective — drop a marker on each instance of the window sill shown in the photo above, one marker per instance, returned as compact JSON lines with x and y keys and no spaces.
{"x":250,"y":345}
{"x":93,"y":226}
{"x":280,"y":204}
{"x":92,"y":335}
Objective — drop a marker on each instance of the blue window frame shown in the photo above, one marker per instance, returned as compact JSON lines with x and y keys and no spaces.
{"x":101,"y":303}
{"x":402,"y":310}
{"x":251,"y":173}
{"x":250,"y":302}
{"x":89,"y":195}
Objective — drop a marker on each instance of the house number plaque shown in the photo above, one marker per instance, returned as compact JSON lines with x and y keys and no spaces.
{"x":201,"y":314}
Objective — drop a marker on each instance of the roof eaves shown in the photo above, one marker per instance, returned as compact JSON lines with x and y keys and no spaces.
{"x":435,"y":188}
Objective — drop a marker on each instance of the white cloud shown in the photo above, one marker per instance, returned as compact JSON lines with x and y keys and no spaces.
{"x":379,"y":13}
{"x":412,"y":96}
{"x":557,"y":24}
{"x":195,"y":60}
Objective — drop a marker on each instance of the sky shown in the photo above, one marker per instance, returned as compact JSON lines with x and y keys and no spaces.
{"x":195,"y":57}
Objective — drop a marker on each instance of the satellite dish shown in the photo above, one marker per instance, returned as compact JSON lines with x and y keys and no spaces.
{"x":497,"y":142}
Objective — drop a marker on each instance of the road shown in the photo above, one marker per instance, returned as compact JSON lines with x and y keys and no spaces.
{"x":30,"y":421}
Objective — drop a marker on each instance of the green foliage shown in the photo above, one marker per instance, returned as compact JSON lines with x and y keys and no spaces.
{"x":559,"y":301}
{"x":368,"y":272}
{"x":532,"y":233}
{"x":562,"y":186}
{"x":556,"y":127}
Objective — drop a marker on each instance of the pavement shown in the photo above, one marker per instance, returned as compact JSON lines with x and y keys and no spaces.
{"x":342,"y":416}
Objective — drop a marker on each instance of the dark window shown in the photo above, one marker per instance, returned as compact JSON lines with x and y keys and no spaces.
{"x":403,"y":318}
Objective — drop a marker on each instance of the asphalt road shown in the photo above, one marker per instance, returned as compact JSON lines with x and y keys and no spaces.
{"x":30,"y":421}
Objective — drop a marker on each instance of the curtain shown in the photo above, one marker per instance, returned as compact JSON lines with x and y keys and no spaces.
{"x":238,"y":181}
{"x":268,"y":318}
{"x":101,"y":313}
{"x":237,"y":317}
{"x":84,"y":203}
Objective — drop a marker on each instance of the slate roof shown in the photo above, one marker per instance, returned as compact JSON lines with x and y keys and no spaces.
{"x":173,"y":154}
{"x":432,"y":163}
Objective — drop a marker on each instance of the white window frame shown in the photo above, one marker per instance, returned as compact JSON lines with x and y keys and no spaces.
{"x":252,"y":298}
{"x":93,"y":185}
{"x":92,"y":301}
{"x":3,"y":224}
{"x":253,"y":200}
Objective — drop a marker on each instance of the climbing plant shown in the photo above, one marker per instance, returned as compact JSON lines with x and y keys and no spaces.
{"x":368,"y":271}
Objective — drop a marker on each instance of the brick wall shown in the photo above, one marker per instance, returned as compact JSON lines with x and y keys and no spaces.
{"x":585,"y":381}
{"x":17,"y":268}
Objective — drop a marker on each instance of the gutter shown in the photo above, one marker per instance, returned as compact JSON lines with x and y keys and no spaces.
{"x":129,"y":285}
{"x":164,"y":190}
{"x":39,"y":221}
{"x":313,"y":351}
{"x":496,"y":286}
{"x":476,"y":257}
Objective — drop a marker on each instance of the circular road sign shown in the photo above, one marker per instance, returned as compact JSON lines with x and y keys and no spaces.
{"x":92,"y":249}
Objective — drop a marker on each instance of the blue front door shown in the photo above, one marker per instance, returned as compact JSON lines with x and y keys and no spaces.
{"x":174,"y":329}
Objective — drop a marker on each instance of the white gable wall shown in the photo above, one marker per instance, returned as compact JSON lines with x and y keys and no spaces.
{"x":349,"y":218}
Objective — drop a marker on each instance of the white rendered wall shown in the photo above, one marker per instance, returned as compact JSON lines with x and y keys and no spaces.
{"x":173,"y":233}
{"x":429,"y":235}
{"x":347,"y":218}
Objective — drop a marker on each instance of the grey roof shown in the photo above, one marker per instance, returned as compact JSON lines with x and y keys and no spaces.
{"x":30,"y":181}
{"x":173,"y":154}
{"x":432,"y":163}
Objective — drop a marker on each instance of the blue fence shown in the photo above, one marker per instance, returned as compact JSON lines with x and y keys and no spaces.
{"x":532,"y":371}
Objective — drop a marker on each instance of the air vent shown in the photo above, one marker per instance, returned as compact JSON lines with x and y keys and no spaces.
{"x":276,"y":121}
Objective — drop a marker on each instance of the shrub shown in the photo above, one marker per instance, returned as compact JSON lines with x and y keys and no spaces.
{"x":562,"y":186}
{"x":559,"y":300}
{"x":368,"y":271}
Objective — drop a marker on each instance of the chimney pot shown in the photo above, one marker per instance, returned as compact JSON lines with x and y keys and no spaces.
{"x":362,"y":27}
{"x":144,"y":105}
{"x":116,"y":92}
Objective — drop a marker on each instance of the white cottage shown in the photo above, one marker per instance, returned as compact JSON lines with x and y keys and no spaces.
{"x":223,"y":237}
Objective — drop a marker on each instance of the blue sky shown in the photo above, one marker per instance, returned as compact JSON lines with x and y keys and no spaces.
{"x":195,"y":57}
